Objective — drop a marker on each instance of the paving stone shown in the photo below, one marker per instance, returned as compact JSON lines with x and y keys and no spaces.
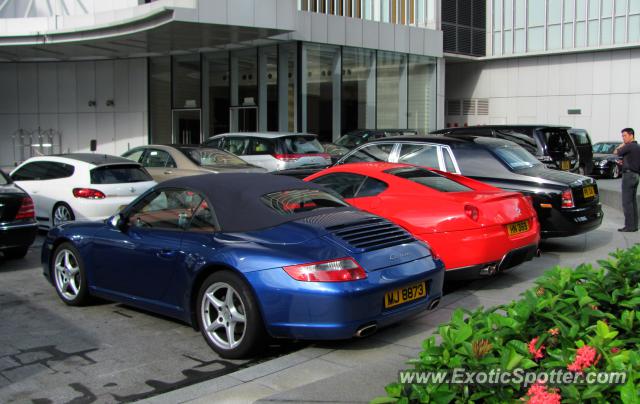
{"x":24,"y":372}
{"x":246,"y":393}
{"x":209,"y":389}
{"x":272,"y":366}
{"x":299,"y":375}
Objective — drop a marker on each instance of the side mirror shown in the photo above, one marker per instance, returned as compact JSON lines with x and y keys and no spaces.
{"x":118,"y":221}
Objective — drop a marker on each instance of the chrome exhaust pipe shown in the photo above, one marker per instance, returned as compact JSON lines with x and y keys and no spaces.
{"x":366,"y":330}
{"x":489,"y":270}
{"x":434,"y":304}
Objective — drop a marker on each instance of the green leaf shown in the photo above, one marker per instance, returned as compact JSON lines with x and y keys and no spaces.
{"x":629,"y":394}
{"x":383,"y":400}
{"x":511,"y":359}
{"x":463,"y":333}
{"x":394,"y":389}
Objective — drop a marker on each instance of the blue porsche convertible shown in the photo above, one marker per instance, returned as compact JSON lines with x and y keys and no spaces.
{"x":246,"y":256}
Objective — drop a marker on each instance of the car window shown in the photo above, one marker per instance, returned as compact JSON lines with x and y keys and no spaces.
{"x":43,"y":170}
{"x":302,"y":145}
{"x":371,"y":187}
{"x":371,"y":152}
{"x":346,"y":185}
{"x":421,"y":155}
{"x":295,"y":201}
{"x":211,"y":157}
{"x":581,"y":137}
{"x":117,"y":174}
{"x":173,"y":209}
{"x":604,"y":148}
{"x":559,"y":144}
{"x":477,"y":161}
{"x":158,"y":159}
{"x":134,"y":155}
{"x":448,"y":161}
{"x":429,"y":179}
{"x":258,"y":146}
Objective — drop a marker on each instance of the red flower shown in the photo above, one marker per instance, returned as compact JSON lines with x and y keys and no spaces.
{"x":615,"y":350}
{"x":536,"y":352}
{"x":539,"y":394}
{"x":585,"y":357}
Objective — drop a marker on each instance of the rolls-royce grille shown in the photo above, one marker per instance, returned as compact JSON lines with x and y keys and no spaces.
{"x":371,"y":234}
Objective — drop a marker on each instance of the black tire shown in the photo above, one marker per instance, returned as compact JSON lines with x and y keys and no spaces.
{"x":614,"y":171}
{"x":76,"y":292}
{"x":58,"y":208}
{"x":251,"y":334}
{"x":15,"y":252}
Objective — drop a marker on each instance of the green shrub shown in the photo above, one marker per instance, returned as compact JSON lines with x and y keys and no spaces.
{"x":583,"y":319}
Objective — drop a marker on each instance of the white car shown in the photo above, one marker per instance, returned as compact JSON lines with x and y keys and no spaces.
{"x":274,"y":151}
{"x":80,"y":186}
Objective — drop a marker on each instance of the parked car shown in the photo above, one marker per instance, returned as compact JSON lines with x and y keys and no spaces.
{"x":605,"y":163}
{"x":552,"y":145}
{"x":566,"y":203}
{"x":80,"y":186}
{"x":243,"y":256}
{"x":357,"y":137}
{"x":273,"y":150}
{"x":18,"y":226}
{"x":496,"y":230}
{"x":583,"y":144}
{"x":170,"y":161}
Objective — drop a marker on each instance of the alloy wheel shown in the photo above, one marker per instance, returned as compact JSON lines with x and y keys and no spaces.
{"x":223,"y":315}
{"x":67,"y":274}
{"x":62,"y":214}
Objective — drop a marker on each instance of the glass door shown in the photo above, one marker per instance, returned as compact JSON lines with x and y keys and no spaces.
{"x":243,"y":119}
{"x":187,"y":126}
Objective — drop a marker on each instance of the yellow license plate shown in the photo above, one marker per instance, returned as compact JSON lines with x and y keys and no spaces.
{"x":518,"y":227}
{"x":405,"y":294}
{"x":565,"y":165}
{"x":588,"y":191}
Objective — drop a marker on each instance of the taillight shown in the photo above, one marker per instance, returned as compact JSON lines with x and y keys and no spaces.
{"x":26,"y":210}
{"x":472,"y":212}
{"x":567,"y":199}
{"x":340,"y":270}
{"x":88,"y":193}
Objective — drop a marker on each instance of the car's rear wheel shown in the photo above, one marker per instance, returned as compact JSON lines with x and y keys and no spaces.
{"x":228,"y":315}
{"x":69,"y":275}
{"x":62,"y":213}
{"x":16,"y":252}
{"x":614,"y":172}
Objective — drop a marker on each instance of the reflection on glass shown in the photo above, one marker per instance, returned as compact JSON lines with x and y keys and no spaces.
{"x":160,"y":99}
{"x":358,"y":89}
{"x":422,"y":93}
{"x":392,"y":86}
{"x":322,"y":62}
{"x":186,"y":81}
{"x":218,"y":92}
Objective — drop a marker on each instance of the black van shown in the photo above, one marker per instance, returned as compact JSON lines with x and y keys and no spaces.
{"x":585,"y":149}
{"x":552,"y":145}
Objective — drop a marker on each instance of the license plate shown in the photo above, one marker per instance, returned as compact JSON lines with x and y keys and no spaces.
{"x":565,"y":165}
{"x":518,"y":227}
{"x":589,"y":191}
{"x":405,"y":294}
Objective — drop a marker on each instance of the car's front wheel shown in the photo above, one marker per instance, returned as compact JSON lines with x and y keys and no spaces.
{"x":62,"y":213}
{"x":69,"y":275}
{"x":228,"y":316}
{"x":614,"y":172}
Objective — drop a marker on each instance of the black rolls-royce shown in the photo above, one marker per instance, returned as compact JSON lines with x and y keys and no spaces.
{"x":18,"y":226}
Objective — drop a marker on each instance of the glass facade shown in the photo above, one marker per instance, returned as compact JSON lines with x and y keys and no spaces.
{"x":542,"y":25}
{"x":323,"y":89}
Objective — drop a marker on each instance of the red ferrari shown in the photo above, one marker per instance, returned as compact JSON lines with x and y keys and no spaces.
{"x":475,"y":228}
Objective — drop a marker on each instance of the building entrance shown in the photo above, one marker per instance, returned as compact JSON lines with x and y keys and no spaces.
{"x":243,"y":119}
{"x":187,"y":126}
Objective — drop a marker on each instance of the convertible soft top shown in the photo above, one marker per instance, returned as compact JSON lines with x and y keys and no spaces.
{"x":236,"y":198}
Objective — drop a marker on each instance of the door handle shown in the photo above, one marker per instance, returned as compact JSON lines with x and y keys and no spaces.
{"x":166,"y":253}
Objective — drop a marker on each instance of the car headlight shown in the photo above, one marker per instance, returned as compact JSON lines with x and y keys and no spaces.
{"x":602,"y":163}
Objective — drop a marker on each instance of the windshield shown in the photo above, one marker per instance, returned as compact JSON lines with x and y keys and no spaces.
{"x":604,"y":148}
{"x":4,"y":179}
{"x":212,"y":157}
{"x":302,"y":145}
{"x":515,"y":156}
{"x":352,"y":140}
{"x":295,"y":201}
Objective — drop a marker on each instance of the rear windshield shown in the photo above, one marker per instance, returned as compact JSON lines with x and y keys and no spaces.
{"x":515,"y":156}
{"x":429,"y":179}
{"x":118,"y":174}
{"x":604,"y":148}
{"x":288,"y":203}
{"x":302,"y":145}
{"x":212,"y":157}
